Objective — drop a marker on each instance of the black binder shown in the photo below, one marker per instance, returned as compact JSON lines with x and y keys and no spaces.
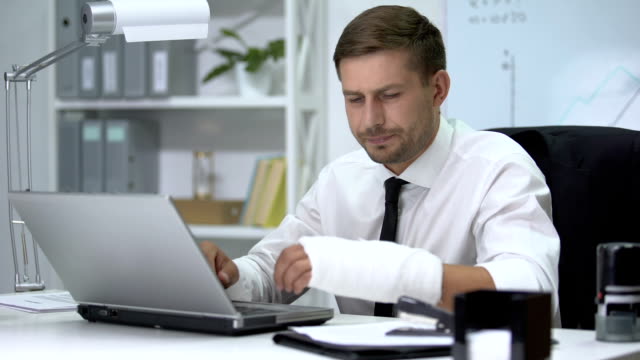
{"x":368,"y":352}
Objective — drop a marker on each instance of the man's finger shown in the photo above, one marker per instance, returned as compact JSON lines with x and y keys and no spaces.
{"x":230,"y":270}
{"x":297,"y":269}
{"x":221,"y":260}
{"x":224,"y":278}
{"x":294,"y":272}
{"x":210,"y":251}
{"x":286,"y":258}
{"x":301,"y":283}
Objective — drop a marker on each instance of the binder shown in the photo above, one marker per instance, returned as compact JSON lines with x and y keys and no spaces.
{"x":112,"y":62}
{"x":131,"y":156}
{"x":369,"y":352}
{"x":68,"y":29}
{"x":69,"y":152}
{"x":135,"y":70}
{"x":171,"y":68}
{"x":89,"y":65}
{"x":92,"y":155}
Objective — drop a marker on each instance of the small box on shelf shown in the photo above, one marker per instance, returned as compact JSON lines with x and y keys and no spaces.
{"x":209,"y":212}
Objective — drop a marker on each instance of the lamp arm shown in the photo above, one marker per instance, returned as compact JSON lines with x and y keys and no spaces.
{"x":25,"y":72}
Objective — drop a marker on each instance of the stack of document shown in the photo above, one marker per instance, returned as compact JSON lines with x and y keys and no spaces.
{"x":383,"y":340}
{"x":39,"y":302}
{"x":373,"y":334}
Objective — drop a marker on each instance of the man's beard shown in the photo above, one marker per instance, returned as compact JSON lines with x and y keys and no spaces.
{"x":384,"y":154}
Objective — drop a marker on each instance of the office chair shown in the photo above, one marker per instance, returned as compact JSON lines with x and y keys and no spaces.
{"x":594,"y":177}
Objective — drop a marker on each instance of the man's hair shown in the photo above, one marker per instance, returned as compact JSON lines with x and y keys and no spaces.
{"x":394,"y":28}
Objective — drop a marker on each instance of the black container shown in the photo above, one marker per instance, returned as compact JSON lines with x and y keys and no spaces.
{"x":618,"y":292}
{"x":527,"y":315}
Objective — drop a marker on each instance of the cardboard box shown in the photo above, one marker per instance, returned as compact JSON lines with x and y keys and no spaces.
{"x":209,"y":212}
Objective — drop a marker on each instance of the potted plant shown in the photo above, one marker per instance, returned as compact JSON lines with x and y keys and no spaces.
{"x":251,"y":65}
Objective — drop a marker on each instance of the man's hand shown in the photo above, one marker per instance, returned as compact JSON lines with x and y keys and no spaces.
{"x":223,"y":266}
{"x":293,"y":270}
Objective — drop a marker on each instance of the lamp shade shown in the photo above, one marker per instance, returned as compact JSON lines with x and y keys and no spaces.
{"x":147,"y":20}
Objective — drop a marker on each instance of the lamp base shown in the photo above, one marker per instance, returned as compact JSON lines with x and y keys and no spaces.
{"x":24,"y":287}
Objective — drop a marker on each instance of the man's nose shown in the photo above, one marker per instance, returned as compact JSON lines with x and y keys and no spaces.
{"x":373,"y":114}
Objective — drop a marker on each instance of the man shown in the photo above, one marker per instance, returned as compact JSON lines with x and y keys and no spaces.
{"x":475,"y":213}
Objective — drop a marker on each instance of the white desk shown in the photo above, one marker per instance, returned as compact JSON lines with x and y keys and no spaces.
{"x":67,"y":335}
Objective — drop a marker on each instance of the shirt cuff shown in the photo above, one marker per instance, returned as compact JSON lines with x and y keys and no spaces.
{"x":512,"y":274}
{"x":241,"y":290}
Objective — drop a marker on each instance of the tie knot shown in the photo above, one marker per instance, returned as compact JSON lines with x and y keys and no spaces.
{"x":392,"y":189}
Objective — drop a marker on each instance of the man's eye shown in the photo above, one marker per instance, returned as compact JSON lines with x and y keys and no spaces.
{"x":390,"y":96}
{"x":355,"y":100}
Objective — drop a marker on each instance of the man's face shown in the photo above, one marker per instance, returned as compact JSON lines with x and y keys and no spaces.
{"x":391,"y":111}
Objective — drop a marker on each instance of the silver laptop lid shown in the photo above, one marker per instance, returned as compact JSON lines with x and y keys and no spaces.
{"x":122,"y":250}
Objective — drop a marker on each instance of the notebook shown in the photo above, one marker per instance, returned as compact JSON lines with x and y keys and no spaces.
{"x":130,"y":259}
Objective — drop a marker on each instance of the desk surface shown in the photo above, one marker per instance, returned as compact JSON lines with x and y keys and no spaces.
{"x":27,"y":335}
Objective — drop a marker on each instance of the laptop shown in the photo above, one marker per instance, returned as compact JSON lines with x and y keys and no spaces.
{"x":130,"y":259}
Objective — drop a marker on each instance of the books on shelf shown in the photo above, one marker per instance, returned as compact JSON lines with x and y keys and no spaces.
{"x":265,"y":204}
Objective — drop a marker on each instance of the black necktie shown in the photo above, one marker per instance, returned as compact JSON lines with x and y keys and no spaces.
{"x":389,"y":226}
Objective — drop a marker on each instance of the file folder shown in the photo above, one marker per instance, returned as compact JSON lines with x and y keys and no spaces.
{"x":68,"y":29}
{"x":158,"y":68}
{"x":131,"y":156}
{"x":69,"y":152}
{"x":171,"y":68}
{"x":92,"y":156}
{"x":112,"y":67}
{"x":135,"y":70}
{"x":89,"y":65}
{"x":367,"y":352}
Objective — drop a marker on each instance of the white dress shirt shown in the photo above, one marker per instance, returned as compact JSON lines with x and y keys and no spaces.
{"x":473,"y":198}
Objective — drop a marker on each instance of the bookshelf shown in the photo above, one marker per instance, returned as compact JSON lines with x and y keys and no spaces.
{"x":228,"y":232}
{"x":176,"y":103}
{"x":300,"y":104}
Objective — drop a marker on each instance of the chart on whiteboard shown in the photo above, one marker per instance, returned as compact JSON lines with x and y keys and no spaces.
{"x":544,"y":62}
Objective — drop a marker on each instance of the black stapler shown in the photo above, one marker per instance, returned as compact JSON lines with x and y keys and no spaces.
{"x":412,"y":309}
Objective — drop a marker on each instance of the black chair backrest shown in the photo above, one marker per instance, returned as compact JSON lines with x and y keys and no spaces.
{"x":594,"y":177}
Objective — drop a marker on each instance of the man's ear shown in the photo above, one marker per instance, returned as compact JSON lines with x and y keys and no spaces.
{"x":441,"y":82}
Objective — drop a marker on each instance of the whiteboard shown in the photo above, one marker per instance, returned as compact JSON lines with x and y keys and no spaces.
{"x":544,"y":62}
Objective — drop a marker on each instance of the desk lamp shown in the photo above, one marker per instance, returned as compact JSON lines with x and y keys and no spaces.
{"x":138,"y":20}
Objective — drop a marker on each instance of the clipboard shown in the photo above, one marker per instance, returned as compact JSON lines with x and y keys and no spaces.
{"x":366,"y":352}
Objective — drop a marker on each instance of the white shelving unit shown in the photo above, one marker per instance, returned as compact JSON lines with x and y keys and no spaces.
{"x":302,"y":105}
{"x":229,"y":232}
{"x":177,"y":103}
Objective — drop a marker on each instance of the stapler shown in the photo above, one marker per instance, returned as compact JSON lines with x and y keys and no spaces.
{"x":418,"y":311}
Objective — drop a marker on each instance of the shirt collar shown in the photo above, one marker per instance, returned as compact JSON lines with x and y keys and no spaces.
{"x":425,"y":169}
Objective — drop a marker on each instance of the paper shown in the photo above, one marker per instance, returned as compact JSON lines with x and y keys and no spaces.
{"x":39,"y":302}
{"x":160,"y":72}
{"x":88,"y":73}
{"x":371,"y":334}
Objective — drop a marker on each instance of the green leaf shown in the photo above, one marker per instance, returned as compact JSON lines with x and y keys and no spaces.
{"x":230,"y":55}
{"x":276,"y":49}
{"x":217,"y":71}
{"x":255,"y":59}
{"x":232,"y":34}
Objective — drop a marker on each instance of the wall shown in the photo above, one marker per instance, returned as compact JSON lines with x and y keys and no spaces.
{"x":340,"y":140}
{"x":24,"y":37}
{"x":545,"y":62}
